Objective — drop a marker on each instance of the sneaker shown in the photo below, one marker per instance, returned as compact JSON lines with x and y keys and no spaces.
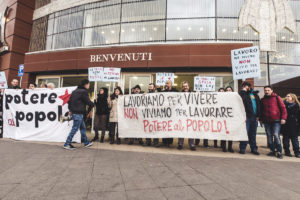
{"x":279,"y":155}
{"x":88,"y":144}
{"x":193,"y":148}
{"x":69,"y":147}
{"x":255,"y":152}
{"x":179,"y":147}
{"x":271,"y":153}
{"x":242,"y":152}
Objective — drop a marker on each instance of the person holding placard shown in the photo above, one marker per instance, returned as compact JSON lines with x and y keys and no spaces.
{"x":14,"y":84}
{"x":168,"y":88}
{"x":186,"y":88}
{"x":101,"y":114}
{"x":113,"y":115}
{"x":252,"y":107}
{"x":223,"y":142}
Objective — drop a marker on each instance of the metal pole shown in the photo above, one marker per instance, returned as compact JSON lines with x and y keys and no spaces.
{"x":21,"y":81}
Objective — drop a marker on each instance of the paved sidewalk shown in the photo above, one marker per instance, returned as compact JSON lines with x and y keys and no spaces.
{"x":41,"y":171}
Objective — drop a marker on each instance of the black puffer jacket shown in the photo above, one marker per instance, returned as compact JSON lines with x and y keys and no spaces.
{"x":248,"y":103}
{"x":79,"y":100}
{"x":291,"y":127}
{"x":102,"y":105}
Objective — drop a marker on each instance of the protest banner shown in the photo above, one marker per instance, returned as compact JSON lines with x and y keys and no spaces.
{"x":35,"y":115}
{"x":245,"y":63}
{"x":111,"y":74}
{"x":96,"y":73}
{"x":205,"y":115}
{"x":162,"y":77}
{"x":204,"y":84}
{"x":3,"y":81}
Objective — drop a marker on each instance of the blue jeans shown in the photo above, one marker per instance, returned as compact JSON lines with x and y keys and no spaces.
{"x":77,"y":124}
{"x":286,"y":144}
{"x":251,"y":126}
{"x":273,"y":131}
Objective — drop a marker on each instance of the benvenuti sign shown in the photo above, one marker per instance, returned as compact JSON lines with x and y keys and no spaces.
{"x":121,"y":57}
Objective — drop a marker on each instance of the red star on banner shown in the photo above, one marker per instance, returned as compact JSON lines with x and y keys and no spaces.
{"x":65,"y":97}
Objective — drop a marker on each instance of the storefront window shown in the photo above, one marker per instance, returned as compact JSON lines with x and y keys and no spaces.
{"x":229,"y":8}
{"x":263,"y":79}
{"x":190,"y":9}
{"x":67,"y":39}
{"x":190,"y":29}
{"x":101,"y":35}
{"x":43,"y":81}
{"x":285,"y":79}
{"x":288,"y":53}
{"x":133,"y":80}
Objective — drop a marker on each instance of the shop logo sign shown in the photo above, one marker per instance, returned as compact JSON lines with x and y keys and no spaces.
{"x":267,"y":17}
{"x":3,"y":44}
{"x":121,"y":57}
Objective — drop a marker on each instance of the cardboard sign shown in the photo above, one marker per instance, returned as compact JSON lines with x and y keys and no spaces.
{"x":111,"y":74}
{"x":245,"y":63}
{"x":3,"y":81}
{"x":36,"y":115}
{"x":162,"y":77}
{"x":204,"y":84}
{"x":204,"y":115}
{"x":95,"y":73}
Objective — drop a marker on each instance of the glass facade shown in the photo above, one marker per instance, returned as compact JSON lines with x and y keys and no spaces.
{"x":146,"y":21}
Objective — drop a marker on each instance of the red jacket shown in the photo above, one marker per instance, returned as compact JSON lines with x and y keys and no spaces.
{"x":272,"y":108}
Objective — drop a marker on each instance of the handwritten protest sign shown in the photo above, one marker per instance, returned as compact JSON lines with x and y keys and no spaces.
{"x":245,"y":63}
{"x":3,"y":81}
{"x":204,"y":84}
{"x":218,"y":116}
{"x":35,"y":115}
{"x":111,"y":74}
{"x":96,"y":73}
{"x":162,"y":77}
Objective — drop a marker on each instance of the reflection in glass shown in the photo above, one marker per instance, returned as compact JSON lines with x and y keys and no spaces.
{"x":101,"y":35}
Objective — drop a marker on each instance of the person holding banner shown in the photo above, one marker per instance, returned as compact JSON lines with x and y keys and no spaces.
{"x":136,"y":90}
{"x":186,"y":88}
{"x":151,"y":89}
{"x":77,"y":105}
{"x":223,"y":142}
{"x":273,"y":115}
{"x":101,"y":115}
{"x":113,"y":115}
{"x":32,"y":86}
{"x":168,"y":88}
{"x":14,"y":84}
{"x":252,"y":107}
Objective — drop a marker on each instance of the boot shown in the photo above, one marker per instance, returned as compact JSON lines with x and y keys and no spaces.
{"x":118,"y":141}
{"x":102,"y":137}
{"x":215,"y":143}
{"x":96,"y":137}
{"x":112,"y":140}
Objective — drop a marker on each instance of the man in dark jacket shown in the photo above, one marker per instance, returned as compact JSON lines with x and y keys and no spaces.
{"x":252,"y":107}
{"x":168,"y":88}
{"x":273,"y":115}
{"x":77,"y":105}
{"x":186,"y":88}
{"x":14,"y":84}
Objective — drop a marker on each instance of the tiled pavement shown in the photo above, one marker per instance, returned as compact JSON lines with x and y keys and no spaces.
{"x":41,"y":171}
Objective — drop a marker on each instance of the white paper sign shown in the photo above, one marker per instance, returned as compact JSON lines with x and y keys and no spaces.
{"x":3,"y":81}
{"x":245,"y":63}
{"x":111,"y":74}
{"x":163,"y":77}
{"x":204,"y":84}
{"x":219,"y":116}
{"x":95,"y":73}
{"x":35,"y":115}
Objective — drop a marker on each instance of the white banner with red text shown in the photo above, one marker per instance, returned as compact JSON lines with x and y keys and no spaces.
{"x":201,"y":115}
{"x":34,"y":115}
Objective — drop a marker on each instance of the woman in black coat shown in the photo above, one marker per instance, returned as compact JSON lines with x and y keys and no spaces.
{"x":102,"y":113}
{"x":290,"y":130}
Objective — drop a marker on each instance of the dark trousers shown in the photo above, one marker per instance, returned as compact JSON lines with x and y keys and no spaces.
{"x":167,"y":141}
{"x":251,"y":125}
{"x":155,"y":141}
{"x":286,"y":144}
{"x":191,"y":142}
{"x":223,"y":144}
{"x":205,"y":142}
{"x":113,"y":130}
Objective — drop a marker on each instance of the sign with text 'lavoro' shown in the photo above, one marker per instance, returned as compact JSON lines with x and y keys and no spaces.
{"x":202,"y":115}
{"x":163,"y":77}
{"x":35,"y":115}
{"x":245,"y":63}
{"x":204,"y":84}
{"x":104,"y":74}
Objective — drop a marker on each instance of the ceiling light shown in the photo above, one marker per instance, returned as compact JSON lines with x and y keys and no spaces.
{"x":102,"y":32}
{"x":180,"y":38}
{"x":106,"y":41}
{"x":283,"y":37}
{"x":234,"y":31}
{"x":123,"y":30}
{"x":255,"y":33}
{"x":178,"y":28}
{"x":143,"y":29}
{"x":224,"y":30}
{"x":189,"y":28}
{"x":201,"y":28}
{"x":112,"y":31}
{"x":292,"y":39}
{"x":132,"y":29}
{"x":150,"y":38}
{"x":245,"y":32}
{"x":155,"y":29}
